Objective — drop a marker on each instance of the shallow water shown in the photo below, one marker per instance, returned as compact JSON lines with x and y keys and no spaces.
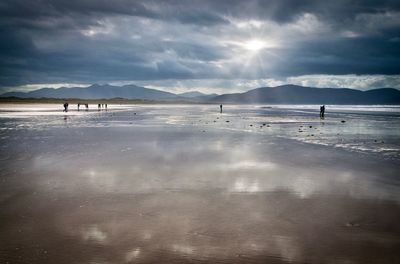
{"x":355,"y":128}
{"x":167,"y":184}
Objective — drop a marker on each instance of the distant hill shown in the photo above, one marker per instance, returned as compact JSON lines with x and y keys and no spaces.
{"x":293,"y":94}
{"x":97,"y":91}
{"x":285,"y":94}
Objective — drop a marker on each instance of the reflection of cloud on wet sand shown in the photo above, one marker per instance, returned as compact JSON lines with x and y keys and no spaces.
{"x":155,"y":163}
{"x":132,"y":254}
{"x":120,"y":195}
{"x":248,"y":165}
{"x":94,"y":233}
{"x":245,"y":185}
{"x":190,"y":225}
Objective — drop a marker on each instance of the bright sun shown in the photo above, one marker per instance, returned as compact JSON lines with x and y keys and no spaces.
{"x":254,"y":45}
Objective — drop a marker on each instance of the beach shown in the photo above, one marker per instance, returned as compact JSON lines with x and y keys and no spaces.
{"x":188,"y":184}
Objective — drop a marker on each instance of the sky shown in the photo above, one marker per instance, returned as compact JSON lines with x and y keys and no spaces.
{"x":207,"y":45}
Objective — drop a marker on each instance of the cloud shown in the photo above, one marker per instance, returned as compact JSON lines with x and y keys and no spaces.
{"x":45,"y":42}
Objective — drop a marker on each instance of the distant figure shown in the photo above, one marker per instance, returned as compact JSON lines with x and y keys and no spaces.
{"x":79,"y":106}
{"x":220,"y":108}
{"x":322,"y":111}
{"x":106,"y":106}
{"x":87,"y":107}
{"x":65,"y":107}
{"x":99,"y":105}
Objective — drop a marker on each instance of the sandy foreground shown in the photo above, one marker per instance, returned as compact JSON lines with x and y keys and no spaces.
{"x":186,"y":184}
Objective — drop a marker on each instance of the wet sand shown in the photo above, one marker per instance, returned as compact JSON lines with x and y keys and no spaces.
{"x":148,"y":188}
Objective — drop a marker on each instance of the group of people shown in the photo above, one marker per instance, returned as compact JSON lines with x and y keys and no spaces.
{"x":86,"y":106}
{"x":99,"y":106}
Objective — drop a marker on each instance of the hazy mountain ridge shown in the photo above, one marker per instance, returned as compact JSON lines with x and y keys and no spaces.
{"x":285,"y":94}
{"x":96,"y":91}
{"x":293,"y":94}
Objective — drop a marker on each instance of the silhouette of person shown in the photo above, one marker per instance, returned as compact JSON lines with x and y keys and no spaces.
{"x":65,"y":107}
{"x":220,"y":108}
{"x":99,"y":105}
{"x":79,"y":106}
{"x":322,"y":111}
{"x":87,"y":107}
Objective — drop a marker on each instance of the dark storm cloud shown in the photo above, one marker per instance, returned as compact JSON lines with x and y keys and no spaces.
{"x":99,"y":40}
{"x":197,"y":11}
{"x":342,"y":56}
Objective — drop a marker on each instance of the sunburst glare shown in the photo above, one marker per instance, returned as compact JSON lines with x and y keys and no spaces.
{"x":255,"y":45}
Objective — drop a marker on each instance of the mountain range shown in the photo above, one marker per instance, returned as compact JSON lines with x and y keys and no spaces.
{"x":96,"y":91}
{"x":284,"y":94}
{"x":294,"y":94}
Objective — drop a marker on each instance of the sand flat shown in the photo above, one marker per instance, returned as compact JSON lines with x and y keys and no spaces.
{"x":167,"y":184}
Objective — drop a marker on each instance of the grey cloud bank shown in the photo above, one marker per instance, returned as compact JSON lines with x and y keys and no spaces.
{"x":220,"y":45}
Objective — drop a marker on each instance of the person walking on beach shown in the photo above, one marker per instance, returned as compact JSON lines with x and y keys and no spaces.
{"x":220,"y":108}
{"x":79,"y":106}
{"x":65,"y":107}
{"x":99,"y":105}
{"x":322,"y":111}
{"x":87,"y":107}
